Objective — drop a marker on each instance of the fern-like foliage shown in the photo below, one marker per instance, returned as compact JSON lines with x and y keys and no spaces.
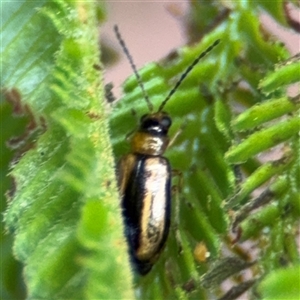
{"x":63,"y":212}
{"x":235,"y":107}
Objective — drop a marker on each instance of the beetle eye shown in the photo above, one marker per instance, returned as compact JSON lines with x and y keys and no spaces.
{"x":166,"y":122}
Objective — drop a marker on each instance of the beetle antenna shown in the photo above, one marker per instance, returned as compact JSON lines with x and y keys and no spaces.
{"x":137,"y":75}
{"x":186,"y":72}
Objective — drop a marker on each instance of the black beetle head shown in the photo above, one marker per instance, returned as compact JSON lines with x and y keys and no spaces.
{"x":157,"y":124}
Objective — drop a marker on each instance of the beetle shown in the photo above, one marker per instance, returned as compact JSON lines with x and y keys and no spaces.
{"x":144,"y":178}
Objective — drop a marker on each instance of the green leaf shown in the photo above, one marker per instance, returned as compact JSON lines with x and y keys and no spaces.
{"x":283,"y":75}
{"x":275,"y":10}
{"x":264,"y":218}
{"x":260,"y":176}
{"x":264,"y":112}
{"x":223,"y":117}
{"x":263,"y":140}
{"x":65,"y":212}
{"x":281,"y":284}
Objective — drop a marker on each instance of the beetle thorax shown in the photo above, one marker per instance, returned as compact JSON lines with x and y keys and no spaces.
{"x":145,"y":143}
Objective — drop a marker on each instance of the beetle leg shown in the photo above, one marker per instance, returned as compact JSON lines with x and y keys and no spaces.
{"x":177,"y":134}
{"x":176,"y":191}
